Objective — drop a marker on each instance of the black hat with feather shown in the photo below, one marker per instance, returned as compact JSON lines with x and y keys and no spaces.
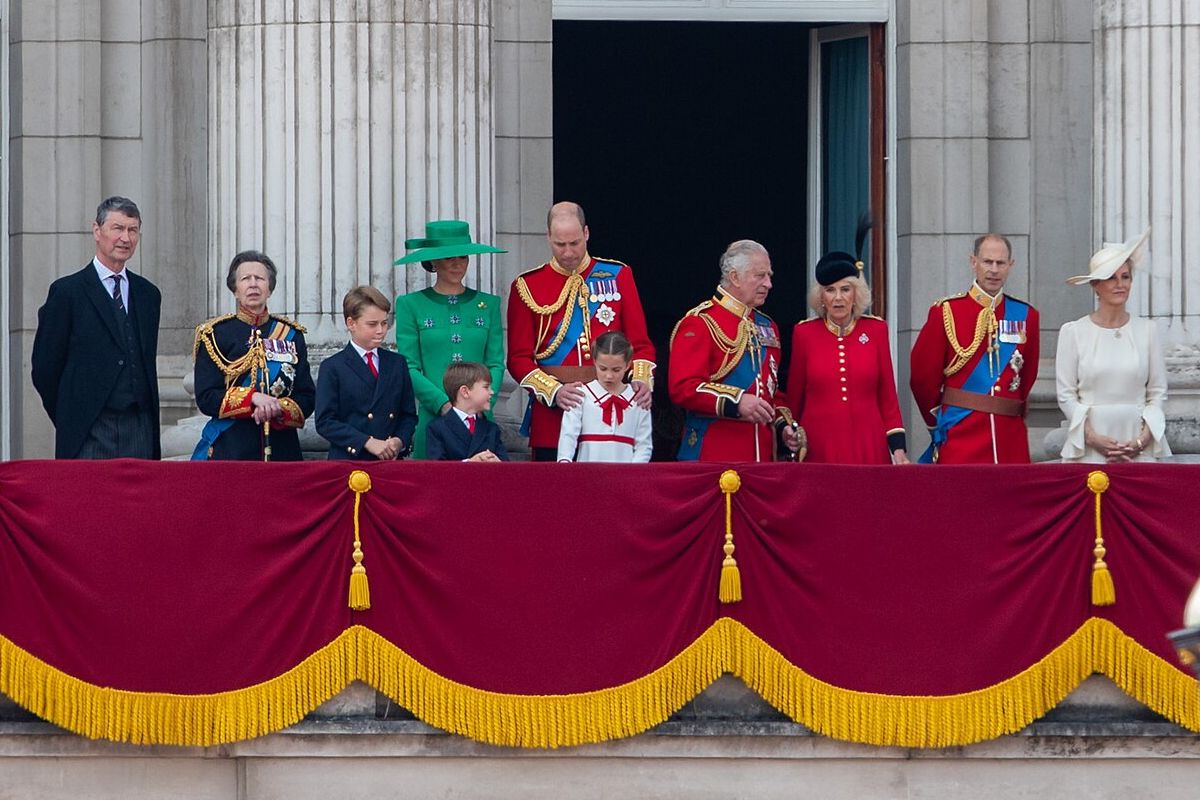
{"x":837,"y":265}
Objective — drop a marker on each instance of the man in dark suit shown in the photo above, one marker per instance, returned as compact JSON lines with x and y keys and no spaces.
{"x":95,"y":348}
{"x":463,"y":433}
{"x":366,"y":409}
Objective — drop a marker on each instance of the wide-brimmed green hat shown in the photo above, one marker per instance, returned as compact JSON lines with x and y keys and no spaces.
{"x":444,"y":238}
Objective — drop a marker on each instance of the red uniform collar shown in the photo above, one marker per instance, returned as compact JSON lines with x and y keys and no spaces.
{"x":250,"y":319}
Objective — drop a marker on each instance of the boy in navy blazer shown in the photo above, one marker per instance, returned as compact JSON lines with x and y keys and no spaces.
{"x":463,"y":433}
{"x":365,"y":404}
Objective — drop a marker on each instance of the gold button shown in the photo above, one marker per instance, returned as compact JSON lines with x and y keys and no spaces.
{"x":845,"y":399}
{"x":841,"y":361}
{"x":842,"y":369}
{"x":391,"y":416}
{"x":370,"y":415}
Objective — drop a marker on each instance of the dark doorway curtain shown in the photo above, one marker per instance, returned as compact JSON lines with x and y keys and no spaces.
{"x":845,"y":144}
{"x":679,"y":138}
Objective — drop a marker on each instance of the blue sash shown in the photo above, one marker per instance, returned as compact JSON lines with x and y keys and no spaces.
{"x":593,"y":287}
{"x":978,"y":382}
{"x":215,"y":427}
{"x":743,"y":375}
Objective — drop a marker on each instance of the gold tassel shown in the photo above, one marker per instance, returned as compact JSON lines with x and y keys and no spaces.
{"x":360,"y":591}
{"x":1104,"y":593}
{"x":731,"y":577}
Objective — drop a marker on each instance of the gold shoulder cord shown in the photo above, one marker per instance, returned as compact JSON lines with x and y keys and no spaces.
{"x":570,"y":296}
{"x":733,"y":349}
{"x":254,"y":359}
{"x":985,"y":325}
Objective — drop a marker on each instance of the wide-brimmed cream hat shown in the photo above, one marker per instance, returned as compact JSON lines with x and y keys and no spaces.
{"x":1109,"y":258}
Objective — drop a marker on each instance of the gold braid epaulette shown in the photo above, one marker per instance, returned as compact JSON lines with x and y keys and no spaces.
{"x":732,"y":350}
{"x":289,"y":321}
{"x":570,"y":296}
{"x":205,"y":329}
{"x":692,"y":312}
{"x":963,"y":354}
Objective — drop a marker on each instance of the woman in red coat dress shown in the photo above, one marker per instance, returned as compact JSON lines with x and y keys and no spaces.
{"x":841,"y":387}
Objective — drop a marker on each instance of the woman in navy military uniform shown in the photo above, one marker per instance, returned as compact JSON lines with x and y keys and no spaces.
{"x":251,"y":374}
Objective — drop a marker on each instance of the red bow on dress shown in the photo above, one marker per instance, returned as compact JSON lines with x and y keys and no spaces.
{"x":609,"y":403}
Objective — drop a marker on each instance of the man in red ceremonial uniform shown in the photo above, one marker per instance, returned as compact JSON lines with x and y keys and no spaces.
{"x":555,"y":312}
{"x":973,"y":365}
{"x":724,"y":368}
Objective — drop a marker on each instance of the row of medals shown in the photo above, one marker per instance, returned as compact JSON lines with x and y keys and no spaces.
{"x":610,"y":295}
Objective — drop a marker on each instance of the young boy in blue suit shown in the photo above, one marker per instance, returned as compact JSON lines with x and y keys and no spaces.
{"x":463,"y":433}
{"x":365,"y":404}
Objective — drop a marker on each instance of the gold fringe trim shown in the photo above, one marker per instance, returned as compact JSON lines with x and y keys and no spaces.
{"x":99,"y":712}
{"x":1098,"y":646}
{"x":546,"y":721}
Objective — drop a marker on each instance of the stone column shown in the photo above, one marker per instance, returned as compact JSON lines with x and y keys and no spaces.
{"x":992,"y":125}
{"x":524,"y":89}
{"x":1147,"y":173}
{"x":337,"y":129}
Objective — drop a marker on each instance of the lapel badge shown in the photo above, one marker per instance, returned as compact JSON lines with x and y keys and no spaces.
{"x":863,"y":338}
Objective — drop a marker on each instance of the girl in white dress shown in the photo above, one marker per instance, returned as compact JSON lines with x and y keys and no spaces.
{"x":1111,"y":376}
{"x":607,"y":425}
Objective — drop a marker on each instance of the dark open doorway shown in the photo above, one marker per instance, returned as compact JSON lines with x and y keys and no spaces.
{"x":679,"y":138}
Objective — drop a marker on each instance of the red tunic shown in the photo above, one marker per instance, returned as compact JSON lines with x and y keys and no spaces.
{"x":538,"y":302}
{"x":981,"y":438}
{"x":708,"y":376}
{"x":842,"y":391}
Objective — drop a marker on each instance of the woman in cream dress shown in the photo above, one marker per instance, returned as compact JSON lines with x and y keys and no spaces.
{"x":1110,"y":372}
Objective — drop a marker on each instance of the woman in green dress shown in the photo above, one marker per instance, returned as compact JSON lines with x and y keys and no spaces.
{"x":447,"y":322}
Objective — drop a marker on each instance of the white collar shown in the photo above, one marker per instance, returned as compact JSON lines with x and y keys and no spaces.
{"x":363,"y":353}
{"x":104,"y":271}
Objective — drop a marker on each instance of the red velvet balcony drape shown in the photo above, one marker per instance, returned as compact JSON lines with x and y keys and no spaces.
{"x":547,"y":604}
